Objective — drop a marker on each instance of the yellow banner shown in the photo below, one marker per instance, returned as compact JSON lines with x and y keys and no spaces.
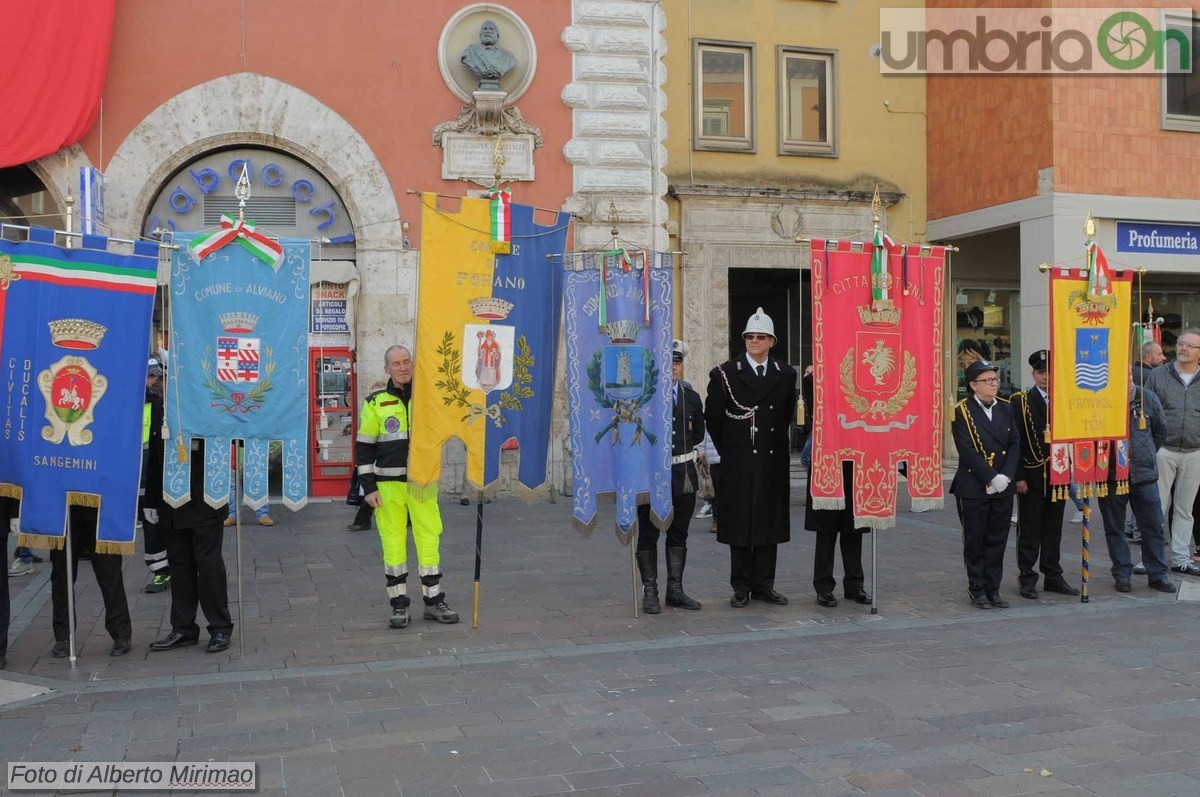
{"x":456,"y":267}
{"x":1089,"y":358}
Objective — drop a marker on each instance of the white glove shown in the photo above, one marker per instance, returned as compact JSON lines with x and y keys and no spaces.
{"x":151,"y":515}
{"x":14,"y":526}
{"x":1000,"y":482}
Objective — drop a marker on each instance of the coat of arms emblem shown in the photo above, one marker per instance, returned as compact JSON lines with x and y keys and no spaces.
{"x":237,"y":359}
{"x":624,"y":379}
{"x":72,"y":387}
{"x":1091,"y":359}
{"x":488,"y":365}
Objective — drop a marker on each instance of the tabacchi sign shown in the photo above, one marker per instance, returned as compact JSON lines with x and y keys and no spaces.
{"x":1035,"y":41}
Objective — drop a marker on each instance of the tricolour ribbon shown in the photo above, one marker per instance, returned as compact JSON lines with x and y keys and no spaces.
{"x":259,"y":245}
{"x":501,"y":220}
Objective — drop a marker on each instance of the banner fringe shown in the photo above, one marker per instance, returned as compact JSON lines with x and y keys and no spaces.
{"x":875,"y":522}
{"x":927,"y":504}
{"x":83,"y":499}
{"x":293,"y":505}
{"x":42,"y":541}
{"x":423,"y":492}
{"x":586,"y":527}
{"x":119,"y":548}
{"x":828,"y":503}
{"x":10,"y":491}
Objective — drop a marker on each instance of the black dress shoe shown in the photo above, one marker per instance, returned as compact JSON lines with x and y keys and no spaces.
{"x":862,"y":596}
{"x":173,"y":640}
{"x":826,"y":599}
{"x":1124,"y":585}
{"x":740,"y":600}
{"x":980,"y":602}
{"x":120,"y":647}
{"x":358,"y":527}
{"x":1164,"y":586}
{"x":59,"y":650}
{"x":1061,"y":587}
{"x":217,"y":642}
{"x":1029,"y":592}
{"x":996,"y":601}
{"x":769,"y":596}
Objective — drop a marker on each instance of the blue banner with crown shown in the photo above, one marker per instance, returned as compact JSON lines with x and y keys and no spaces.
{"x":617,"y":308}
{"x":238,"y":370}
{"x":74,"y":334}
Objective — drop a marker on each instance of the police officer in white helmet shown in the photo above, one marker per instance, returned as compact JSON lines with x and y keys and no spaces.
{"x":749,"y":413}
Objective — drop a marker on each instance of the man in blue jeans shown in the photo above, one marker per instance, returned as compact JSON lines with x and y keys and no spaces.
{"x":1143,"y":497}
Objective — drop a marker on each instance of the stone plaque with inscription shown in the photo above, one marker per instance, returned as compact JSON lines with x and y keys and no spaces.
{"x":469,"y":156}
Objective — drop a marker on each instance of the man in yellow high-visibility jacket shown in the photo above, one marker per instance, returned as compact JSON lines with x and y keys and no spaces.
{"x":381,"y":454}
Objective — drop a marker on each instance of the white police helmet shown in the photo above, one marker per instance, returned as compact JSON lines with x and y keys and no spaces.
{"x":759,"y":322}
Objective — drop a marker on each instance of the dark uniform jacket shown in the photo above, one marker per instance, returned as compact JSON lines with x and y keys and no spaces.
{"x":985,"y":448}
{"x":1029,"y":409}
{"x":687,"y":432}
{"x":381,"y":448}
{"x":755,"y":474}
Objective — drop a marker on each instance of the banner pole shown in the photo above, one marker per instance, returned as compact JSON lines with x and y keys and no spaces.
{"x":1087,"y":554}
{"x":478,"y":555}
{"x":874,"y":575}
{"x":70,"y":588}
{"x":237,"y":487}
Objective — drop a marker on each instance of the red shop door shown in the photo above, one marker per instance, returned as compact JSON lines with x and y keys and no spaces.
{"x":332,"y":420}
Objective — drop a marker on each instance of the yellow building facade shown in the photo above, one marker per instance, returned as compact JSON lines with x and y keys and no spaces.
{"x":779,"y":125}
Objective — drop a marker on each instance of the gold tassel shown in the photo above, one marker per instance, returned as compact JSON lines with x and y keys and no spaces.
{"x":1046,"y":434}
{"x":83,"y":499}
{"x":180,"y":449}
{"x":1142,"y":422}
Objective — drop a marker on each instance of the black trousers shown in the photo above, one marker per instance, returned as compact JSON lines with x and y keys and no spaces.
{"x":985,"y":523}
{"x":198,"y":579}
{"x":107,"y":567}
{"x":1039,"y":535}
{"x":752,"y":569}
{"x":677,"y":532}
{"x":852,"y":569}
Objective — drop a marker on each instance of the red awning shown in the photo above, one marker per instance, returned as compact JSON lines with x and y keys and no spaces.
{"x":52,"y":64}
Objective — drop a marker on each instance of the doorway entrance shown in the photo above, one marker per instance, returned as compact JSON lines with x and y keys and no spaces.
{"x":783,"y":294}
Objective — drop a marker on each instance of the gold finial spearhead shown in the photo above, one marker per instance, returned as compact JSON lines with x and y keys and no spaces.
{"x":498,"y":160}
{"x":1089,"y":226}
{"x":242,"y":191}
{"x":876,"y":207}
{"x":614,"y":218}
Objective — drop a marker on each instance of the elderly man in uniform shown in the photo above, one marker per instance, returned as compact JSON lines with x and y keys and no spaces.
{"x":989,"y":450}
{"x":1039,"y":519}
{"x":687,"y":432}
{"x":750,"y":410}
{"x":381,"y":454}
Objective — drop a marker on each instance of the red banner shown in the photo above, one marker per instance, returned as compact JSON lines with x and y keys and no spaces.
{"x":877,"y":378}
{"x":52,"y":67}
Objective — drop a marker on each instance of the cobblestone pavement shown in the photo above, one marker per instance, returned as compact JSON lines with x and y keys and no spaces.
{"x":562,"y":691}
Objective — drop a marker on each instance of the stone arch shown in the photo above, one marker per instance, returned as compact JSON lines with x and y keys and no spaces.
{"x":254,"y":110}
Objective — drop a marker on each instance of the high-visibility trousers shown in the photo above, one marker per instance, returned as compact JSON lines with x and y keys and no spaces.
{"x":397,"y":506}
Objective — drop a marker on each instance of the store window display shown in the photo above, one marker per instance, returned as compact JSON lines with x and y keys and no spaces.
{"x":986,"y":320}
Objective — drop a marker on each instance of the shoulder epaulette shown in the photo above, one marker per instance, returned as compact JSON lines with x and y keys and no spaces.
{"x":372,"y":396}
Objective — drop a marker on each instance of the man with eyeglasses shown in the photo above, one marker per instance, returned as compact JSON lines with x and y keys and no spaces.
{"x":1039,"y":518}
{"x":749,"y":413}
{"x":989,"y":451}
{"x":1178,"y":456}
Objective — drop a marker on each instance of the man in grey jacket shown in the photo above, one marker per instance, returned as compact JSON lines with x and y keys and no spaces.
{"x":1177,"y":387}
{"x":1143,"y":497}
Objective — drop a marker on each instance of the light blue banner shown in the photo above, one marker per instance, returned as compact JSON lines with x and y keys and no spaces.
{"x":238,"y":370}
